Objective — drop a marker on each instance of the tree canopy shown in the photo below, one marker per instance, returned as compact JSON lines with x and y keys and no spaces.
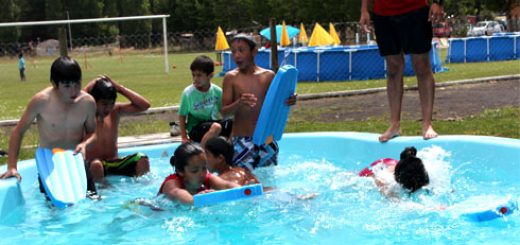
{"x":193,"y":15}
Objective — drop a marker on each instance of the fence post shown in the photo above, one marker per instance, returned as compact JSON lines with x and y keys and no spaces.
{"x":274,"y":45}
{"x":165,"y":44}
{"x":62,"y":36}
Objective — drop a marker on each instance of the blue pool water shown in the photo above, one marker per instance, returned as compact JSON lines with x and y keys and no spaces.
{"x":346,"y":207}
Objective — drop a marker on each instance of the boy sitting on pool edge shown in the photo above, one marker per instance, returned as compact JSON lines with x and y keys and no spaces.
{"x":102,"y":155}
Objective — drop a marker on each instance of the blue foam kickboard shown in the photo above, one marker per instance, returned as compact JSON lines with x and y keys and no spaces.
{"x":63,"y":176}
{"x":227,"y":195}
{"x":482,"y":211}
{"x":273,"y":115}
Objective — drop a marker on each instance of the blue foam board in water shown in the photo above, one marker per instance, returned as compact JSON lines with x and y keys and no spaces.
{"x":63,"y":176}
{"x":227,"y":195}
{"x":481,"y":209}
{"x":273,"y":115}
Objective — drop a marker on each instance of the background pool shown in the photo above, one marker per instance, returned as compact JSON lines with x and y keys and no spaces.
{"x":346,"y":208}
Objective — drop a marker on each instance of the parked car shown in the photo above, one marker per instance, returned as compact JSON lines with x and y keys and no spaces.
{"x":442,"y":29}
{"x":485,"y":28}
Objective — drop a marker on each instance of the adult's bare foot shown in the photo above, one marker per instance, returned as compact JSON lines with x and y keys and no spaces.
{"x":429,"y":133}
{"x":390,"y":133}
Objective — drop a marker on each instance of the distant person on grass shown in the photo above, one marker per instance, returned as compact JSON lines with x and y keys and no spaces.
{"x":405,"y":27}
{"x":21,"y":66}
{"x":199,"y":112}
{"x":244,"y":90}
{"x":102,"y":155}
{"x":65,"y":117}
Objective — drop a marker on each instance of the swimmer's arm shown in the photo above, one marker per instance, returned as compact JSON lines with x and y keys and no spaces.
{"x":218,"y":183}
{"x":229,"y":107}
{"x":138,"y":103}
{"x":175,"y":193}
{"x":384,"y":189}
{"x":15,"y":141}
{"x":90,"y":127}
{"x":182,"y":127}
{"x":251,"y":178}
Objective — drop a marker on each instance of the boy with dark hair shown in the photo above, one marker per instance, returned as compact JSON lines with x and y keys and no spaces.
{"x":244,"y":90}
{"x":199,"y":112}
{"x":219,"y":155}
{"x":64,"y":114}
{"x":103,"y":154}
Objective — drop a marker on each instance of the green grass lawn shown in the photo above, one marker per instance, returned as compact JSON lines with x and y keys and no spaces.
{"x":145,"y":74}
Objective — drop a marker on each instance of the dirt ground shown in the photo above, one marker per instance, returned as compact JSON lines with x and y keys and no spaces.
{"x":451,"y":103}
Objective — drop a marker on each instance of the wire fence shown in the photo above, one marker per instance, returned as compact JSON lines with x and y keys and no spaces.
{"x":200,"y":40}
{"x":348,"y":61}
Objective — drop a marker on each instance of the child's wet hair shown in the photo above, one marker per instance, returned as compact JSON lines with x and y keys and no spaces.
{"x":103,"y":89}
{"x":203,"y":63}
{"x":246,"y":38}
{"x":410,"y":171}
{"x":65,"y":70}
{"x":183,"y":153}
{"x":220,"y":146}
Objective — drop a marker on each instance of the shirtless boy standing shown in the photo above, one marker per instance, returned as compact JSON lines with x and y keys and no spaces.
{"x":64,"y":114}
{"x":243,"y":93}
{"x":103,"y":154}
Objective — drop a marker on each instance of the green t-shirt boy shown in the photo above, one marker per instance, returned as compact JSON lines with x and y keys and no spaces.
{"x":200,"y":106}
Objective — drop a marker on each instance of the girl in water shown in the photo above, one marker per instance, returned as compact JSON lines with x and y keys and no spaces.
{"x":191,"y":175}
{"x":409,"y":173}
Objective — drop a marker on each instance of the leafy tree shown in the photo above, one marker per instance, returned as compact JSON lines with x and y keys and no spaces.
{"x":9,"y":13}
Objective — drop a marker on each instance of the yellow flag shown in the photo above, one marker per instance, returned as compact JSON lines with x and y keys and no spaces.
{"x":320,"y":37}
{"x":221,"y":42}
{"x":334,"y":34}
{"x":303,"y":35}
{"x":284,"y":39}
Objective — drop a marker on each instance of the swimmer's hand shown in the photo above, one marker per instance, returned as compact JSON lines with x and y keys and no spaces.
{"x":248,"y":99}
{"x":291,"y":100}
{"x":81,"y":148}
{"x":307,"y":196}
{"x":148,"y":203}
{"x":205,"y":191}
{"x":11,"y":172}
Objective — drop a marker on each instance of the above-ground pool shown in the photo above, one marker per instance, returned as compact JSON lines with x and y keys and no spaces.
{"x":338,"y":63}
{"x":346,"y":207}
{"x":480,"y":49}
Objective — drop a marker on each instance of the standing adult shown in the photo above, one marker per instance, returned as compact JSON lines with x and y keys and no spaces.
{"x":405,"y":27}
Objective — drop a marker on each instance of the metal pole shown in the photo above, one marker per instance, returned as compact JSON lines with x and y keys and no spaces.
{"x":165,"y":44}
{"x":274,"y":45}
{"x":62,"y":37}
{"x":70,"y":33}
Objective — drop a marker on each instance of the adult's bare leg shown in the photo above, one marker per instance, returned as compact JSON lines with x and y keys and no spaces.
{"x":394,"y":89}
{"x":426,"y":83}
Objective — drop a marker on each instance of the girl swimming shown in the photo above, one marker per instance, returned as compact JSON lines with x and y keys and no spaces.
{"x":191,"y":175}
